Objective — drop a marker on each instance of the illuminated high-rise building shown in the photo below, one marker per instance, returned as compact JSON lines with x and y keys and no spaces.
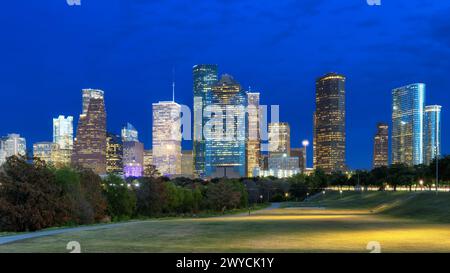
{"x":129,"y":133}
{"x":2,"y":154}
{"x":329,"y":124}
{"x":408,"y":108}
{"x":90,"y":143}
{"x":63,"y":137}
{"x":12,"y":145}
{"x":204,"y":77}
{"x":432,"y":133}
{"x":114,"y":154}
{"x":167,"y":138}
{"x":279,"y":139}
{"x":133,"y":159}
{"x":381,"y":146}
{"x":46,"y":151}
{"x":225,"y":130}
{"x":89,"y":94}
{"x":254,"y":137}
{"x":133,"y":152}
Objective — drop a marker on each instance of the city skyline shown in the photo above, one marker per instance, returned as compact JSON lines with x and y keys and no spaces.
{"x":408,"y":104}
{"x":285,"y":77}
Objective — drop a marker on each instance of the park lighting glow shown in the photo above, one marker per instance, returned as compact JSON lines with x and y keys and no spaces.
{"x":421,"y":182}
{"x":305,"y":143}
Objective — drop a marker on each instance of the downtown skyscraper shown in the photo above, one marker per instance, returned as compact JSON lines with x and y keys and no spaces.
{"x":12,"y":145}
{"x":114,"y":154}
{"x":279,"y":139}
{"x":253,"y":131}
{"x":166,"y":151}
{"x":225,"y":130}
{"x":90,"y":143}
{"x":432,"y":133}
{"x":329,"y":124}
{"x":133,"y":152}
{"x":381,"y":146}
{"x":63,"y":137}
{"x":408,"y":106}
{"x":204,"y":77}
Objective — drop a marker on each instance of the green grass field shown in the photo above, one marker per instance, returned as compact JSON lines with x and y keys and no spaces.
{"x":400,"y":222}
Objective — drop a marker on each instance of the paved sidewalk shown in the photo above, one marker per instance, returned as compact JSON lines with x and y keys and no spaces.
{"x":31,"y":235}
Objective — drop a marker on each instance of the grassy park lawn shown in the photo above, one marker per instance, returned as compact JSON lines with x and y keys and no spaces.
{"x":330,"y":223}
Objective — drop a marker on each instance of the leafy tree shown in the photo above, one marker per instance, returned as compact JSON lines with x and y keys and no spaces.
{"x":121,"y":200}
{"x":151,"y":197}
{"x":221,"y":196}
{"x":30,"y":198}
{"x":94,"y":203}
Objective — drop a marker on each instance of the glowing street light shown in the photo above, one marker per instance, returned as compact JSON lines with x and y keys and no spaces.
{"x":305,"y":144}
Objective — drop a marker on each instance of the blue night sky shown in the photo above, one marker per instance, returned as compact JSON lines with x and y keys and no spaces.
{"x":50,"y":51}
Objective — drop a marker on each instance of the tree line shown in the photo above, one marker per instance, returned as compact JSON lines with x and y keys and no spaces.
{"x":34,"y":196}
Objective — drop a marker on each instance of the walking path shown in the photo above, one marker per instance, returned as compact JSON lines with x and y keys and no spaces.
{"x":24,"y":236}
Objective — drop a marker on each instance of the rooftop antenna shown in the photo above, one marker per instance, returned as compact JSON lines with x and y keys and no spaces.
{"x":173,"y":85}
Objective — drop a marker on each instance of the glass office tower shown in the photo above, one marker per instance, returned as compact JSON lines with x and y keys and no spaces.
{"x":204,"y":77}
{"x":129,"y":133}
{"x":329,"y":123}
{"x":408,"y":105}
{"x":253,"y":130}
{"x":225,"y":130}
{"x":432,"y":133}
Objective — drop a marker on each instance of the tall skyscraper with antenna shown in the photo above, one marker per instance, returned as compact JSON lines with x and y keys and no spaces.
{"x":166,"y":132}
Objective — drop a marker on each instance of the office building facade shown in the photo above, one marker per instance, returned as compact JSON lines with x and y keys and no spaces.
{"x":204,"y":77}
{"x":225,"y":130}
{"x":114,"y":154}
{"x":166,"y":148}
{"x":381,"y":146}
{"x":432,"y":133}
{"x":253,"y":131}
{"x":329,"y":124}
{"x":90,"y":143}
{"x":408,"y":108}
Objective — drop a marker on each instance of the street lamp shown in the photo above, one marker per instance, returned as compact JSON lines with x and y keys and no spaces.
{"x":305,"y":144}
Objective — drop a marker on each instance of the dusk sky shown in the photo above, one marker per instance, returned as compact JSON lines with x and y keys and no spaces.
{"x":128,"y":48}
